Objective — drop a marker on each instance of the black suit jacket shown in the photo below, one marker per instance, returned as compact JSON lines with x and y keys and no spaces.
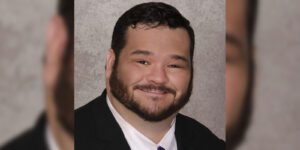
{"x":97,"y":129}
{"x":33,"y":139}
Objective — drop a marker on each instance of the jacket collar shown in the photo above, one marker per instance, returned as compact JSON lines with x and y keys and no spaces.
{"x":107,"y":128}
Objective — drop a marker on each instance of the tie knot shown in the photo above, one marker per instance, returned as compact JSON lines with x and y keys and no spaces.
{"x":160,"y":148}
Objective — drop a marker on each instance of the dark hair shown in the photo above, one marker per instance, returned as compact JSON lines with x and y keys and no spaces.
{"x":64,"y":91}
{"x":251,"y":19}
{"x":153,"y":14}
{"x":65,"y":9}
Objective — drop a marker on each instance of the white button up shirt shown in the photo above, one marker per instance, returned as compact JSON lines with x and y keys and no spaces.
{"x":137,"y":140}
{"x":50,"y":140}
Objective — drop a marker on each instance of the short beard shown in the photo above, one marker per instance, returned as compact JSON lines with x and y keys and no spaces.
{"x":121,"y":93}
{"x":64,"y":97}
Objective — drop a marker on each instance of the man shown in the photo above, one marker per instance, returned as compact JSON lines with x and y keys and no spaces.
{"x":240,"y":23}
{"x":149,"y":74}
{"x":54,"y":129}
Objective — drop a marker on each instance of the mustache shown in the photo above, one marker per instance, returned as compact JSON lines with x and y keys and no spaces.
{"x":155,"y":87}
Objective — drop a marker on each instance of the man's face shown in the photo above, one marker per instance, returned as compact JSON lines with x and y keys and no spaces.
{"x":236,"y":62}
{"x":153,"y":72}
{"x":59,"y":72}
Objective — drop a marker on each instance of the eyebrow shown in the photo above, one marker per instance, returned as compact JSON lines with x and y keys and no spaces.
{"x":141,"y":52}
{"x":178,"y":57}
{"x":234,"y":40}
{"x":146,"y":52}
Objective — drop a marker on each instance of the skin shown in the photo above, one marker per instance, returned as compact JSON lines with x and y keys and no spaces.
{"x":236,"y":62}
{"x":149,"y":58}
{"x":56,"y":44}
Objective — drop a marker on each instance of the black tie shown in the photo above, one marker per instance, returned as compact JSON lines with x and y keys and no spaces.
{"x":160,"y":148}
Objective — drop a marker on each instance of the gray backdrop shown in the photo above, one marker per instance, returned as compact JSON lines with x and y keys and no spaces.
{"x":94,"y":24}
{"x":22,"y":44}
{"x":276,"y":117}
{"x":275,"y":122}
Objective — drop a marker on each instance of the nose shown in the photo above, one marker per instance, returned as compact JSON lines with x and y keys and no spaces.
{"x":158,"y":75}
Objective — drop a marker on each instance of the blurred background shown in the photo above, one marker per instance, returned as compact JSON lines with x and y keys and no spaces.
{"x":275,"y":118}
{"x":23,"y":25}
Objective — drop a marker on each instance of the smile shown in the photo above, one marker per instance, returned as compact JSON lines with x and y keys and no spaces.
{"x":154,"y":91}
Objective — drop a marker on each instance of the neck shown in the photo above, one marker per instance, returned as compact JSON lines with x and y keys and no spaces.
{"x":155,"y":131}
{"x":62,"y":138}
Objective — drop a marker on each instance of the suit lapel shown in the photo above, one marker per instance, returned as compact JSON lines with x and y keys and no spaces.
{"x":182,"y":139}
{"x":38,"y":133}
{"x":107,"y":129}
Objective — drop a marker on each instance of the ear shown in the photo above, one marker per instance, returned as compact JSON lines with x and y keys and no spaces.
{"x":55,"y":49}
{"x":110,"y":61}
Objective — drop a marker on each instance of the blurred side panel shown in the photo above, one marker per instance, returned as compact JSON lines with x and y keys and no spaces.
{"x":275,"y":121}
{"x":22,"y":43}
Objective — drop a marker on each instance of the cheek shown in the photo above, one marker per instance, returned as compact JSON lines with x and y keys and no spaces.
{"x":236,"y":85}
{"x":130,"y":74}
{"x":180,"y":81}
{"x":50,"y":76}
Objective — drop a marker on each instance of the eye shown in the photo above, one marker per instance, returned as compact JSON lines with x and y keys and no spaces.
{"x":175,"y":66}
{"x":143,"y":62}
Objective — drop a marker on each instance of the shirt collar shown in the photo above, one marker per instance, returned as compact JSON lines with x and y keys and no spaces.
{"x":137,"y":140}
{"x":50,"y":140}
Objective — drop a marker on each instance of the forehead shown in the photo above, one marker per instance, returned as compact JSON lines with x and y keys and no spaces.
{"x":161,"y":39}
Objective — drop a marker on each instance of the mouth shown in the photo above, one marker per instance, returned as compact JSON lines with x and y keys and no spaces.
{"x":154,"y":91}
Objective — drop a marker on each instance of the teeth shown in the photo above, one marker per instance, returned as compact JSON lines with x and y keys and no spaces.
{"x":155,"y":91}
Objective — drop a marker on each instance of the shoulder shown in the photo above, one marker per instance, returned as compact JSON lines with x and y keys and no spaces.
{"x":33,"y":138}
{"x":197,"y":133}
{"x":84,"y":112}
{"x":84,"y":117}
{"x":191,"y":124}
{"x":23,"y":141}
{"x":85,"y":124}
